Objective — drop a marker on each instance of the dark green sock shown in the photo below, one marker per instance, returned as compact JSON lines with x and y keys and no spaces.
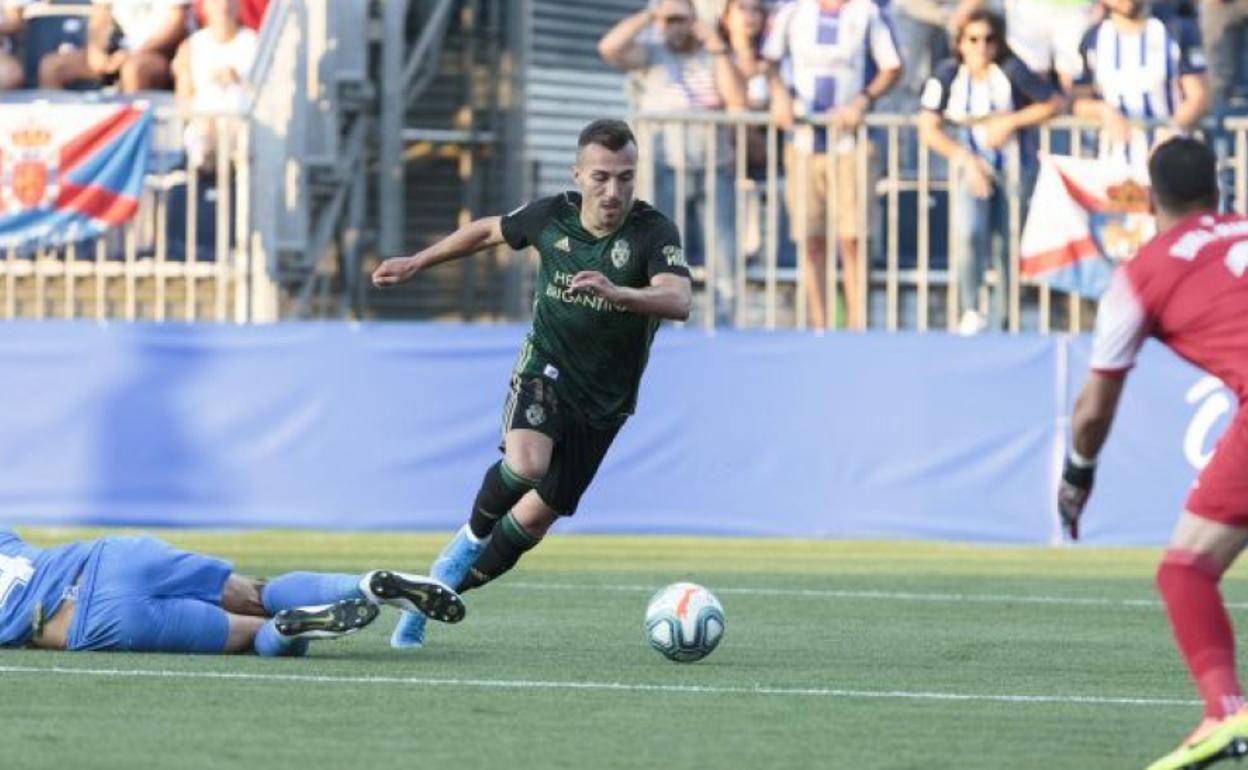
{"x":501,"y":489}
{"x":505,"y":548}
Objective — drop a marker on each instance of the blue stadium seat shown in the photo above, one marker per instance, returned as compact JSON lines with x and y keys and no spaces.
{"x":205,"y":221}
{"x":49,"y":27}
{"x":1240,"y":89}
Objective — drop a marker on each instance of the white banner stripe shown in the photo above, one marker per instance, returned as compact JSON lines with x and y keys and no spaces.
{"x":814,"y":593}
{"x":525,"y":684}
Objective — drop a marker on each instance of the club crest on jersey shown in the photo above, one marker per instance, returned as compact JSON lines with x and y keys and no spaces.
{"x":535,"y":414}
{"x":620,"y":254}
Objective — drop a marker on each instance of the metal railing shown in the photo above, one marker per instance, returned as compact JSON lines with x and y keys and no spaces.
{"x":910,"y":282}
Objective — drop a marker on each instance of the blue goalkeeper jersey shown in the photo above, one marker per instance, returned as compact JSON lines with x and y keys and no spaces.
{"x":34,"y":580}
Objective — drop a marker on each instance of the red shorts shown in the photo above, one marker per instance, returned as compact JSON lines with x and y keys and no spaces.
{"x":1221,"y":491}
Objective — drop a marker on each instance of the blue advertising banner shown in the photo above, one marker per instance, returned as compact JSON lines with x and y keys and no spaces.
{"x":391,"y":426}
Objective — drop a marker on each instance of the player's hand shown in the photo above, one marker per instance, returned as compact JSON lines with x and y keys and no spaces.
{"x":709,"y":38}
{"x":999,"y":129}
{"x":1072,"y":495}
{"x":226,"y":77}
{"x":395,"y":270}
{"x":849,"y":115}
{"x":782,"y":113}
{"x":977,"y":174}
{"x":1115,"y":124}
{"x":595,"y":284}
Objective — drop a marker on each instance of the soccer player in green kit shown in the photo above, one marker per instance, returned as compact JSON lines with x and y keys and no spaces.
{"x":611,"y":269}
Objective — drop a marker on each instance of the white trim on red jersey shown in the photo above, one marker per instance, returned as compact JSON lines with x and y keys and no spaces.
{"x":1122,"y":325}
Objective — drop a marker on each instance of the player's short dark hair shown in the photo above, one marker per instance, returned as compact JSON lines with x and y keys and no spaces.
{"x":1184,"y":175}
{"x":615,"y":135}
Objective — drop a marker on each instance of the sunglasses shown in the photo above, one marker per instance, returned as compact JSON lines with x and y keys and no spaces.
{"x":674,"y":19}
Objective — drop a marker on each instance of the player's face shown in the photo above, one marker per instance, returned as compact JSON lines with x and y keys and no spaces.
{"x":978,"y":45}
{"x":1131,"y":9}
{"x":606,"y":178}
{"x":220,"y":11}
{"x":675,"y":21}
{"x":750,"y":14}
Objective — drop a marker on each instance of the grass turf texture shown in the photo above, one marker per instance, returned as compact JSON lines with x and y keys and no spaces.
{"x":846,"y":639}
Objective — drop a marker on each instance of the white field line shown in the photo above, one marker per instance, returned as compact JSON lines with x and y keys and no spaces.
{"x":814,"y":593}
{"x":524,"y":684}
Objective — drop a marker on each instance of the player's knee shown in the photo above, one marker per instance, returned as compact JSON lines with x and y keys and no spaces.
{"x":144,"y":73}
{"x":11,"y":74}
{"x":531,"y":467}
{"x":50,"y":68}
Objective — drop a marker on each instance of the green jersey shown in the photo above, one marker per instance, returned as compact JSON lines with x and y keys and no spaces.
{"x":594,"y":352}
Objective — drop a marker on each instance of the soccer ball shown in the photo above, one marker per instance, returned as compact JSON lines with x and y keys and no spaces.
{"x":684,"y":622}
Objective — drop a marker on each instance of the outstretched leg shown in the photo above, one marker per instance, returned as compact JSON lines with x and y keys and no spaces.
{"x":527,"y":456}
{"x":1200,"y":552}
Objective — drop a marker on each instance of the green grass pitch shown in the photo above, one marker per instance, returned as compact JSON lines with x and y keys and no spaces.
{"x":836,"y":655}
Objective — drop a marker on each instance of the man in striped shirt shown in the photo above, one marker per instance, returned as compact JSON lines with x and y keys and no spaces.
{"x":841,"y":56}
{"x":1134,"y":67}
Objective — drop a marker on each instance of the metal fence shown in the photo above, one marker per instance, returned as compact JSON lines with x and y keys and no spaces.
{"x":905,"y":222}
{"x":191,"y":252}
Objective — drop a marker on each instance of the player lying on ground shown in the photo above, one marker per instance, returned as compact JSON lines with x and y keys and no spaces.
{"x":1187,"y":287}
{"x":611,"y":268}
{"x":139,"y":594}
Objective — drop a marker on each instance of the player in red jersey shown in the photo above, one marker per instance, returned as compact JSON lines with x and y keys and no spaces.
{"x":1187,"y":287}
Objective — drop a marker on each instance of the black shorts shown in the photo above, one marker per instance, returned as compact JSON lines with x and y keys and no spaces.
{"x":532,"y":404}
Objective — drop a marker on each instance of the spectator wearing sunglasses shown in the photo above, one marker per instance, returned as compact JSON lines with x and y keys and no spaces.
{"x":973,"y":109}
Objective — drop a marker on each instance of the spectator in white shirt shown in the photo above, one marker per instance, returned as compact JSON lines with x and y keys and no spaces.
{"x":210,"y":73}
{"x":130,"y":42}
{"x":11,"y":24}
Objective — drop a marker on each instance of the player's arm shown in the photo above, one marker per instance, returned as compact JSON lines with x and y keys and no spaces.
{"x":11,"y":20}
{"x":1122,"y":325}
{"x":619,"y":47}
{"x":962,"y":12}
{"x":1195,"y":104}
{"x":1095,"y":407}
{"x":1188,"y":61}
{"x":171,"y":31}
{"x":775,"y":50}
{"x":469,"y":239}
{"x":99,"y":33}
{"x":668,"y":296}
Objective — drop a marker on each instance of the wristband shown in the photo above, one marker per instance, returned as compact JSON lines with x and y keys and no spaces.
{"x":1079,"y":461}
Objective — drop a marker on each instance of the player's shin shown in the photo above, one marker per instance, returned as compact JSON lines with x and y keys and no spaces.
{"x":303,"y":589}
{"x":1188,"y":583}
{"x":505,"y":548}
{"x":501,"y":489}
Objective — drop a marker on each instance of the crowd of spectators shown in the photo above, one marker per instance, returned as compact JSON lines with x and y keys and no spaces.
{"x":202,"y":50}
{"x":980,"y":74}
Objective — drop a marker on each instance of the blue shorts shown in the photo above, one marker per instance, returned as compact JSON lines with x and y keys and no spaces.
{"x":141,"y":594}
